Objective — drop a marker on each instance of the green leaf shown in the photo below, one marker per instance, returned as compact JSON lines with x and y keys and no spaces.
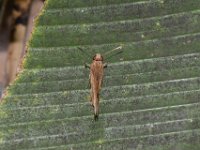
{"x":150,"y":94}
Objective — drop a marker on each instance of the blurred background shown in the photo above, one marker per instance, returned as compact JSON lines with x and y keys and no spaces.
{"x":16,"y":24}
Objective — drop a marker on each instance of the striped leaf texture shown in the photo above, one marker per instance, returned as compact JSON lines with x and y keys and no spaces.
{"x":150,"y":99}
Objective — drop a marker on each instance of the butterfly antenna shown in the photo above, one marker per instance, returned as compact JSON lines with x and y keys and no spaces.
{"x":84,"y":52}
{"x":114,"y":55}
{"x":115,"y":49}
